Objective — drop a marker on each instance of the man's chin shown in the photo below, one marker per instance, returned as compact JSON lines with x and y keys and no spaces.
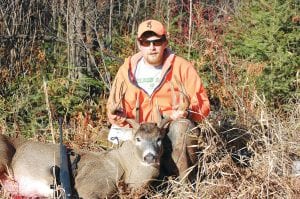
{"x":154,"y":61}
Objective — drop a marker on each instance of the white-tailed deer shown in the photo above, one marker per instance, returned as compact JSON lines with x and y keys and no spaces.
{"x":135,"y":162}
{"x":26,"y":168}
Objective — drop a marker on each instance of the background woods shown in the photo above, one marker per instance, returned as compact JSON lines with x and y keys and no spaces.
{"x":59,"y":57}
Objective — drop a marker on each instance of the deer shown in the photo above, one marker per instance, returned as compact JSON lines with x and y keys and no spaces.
{"x":26,"y":167}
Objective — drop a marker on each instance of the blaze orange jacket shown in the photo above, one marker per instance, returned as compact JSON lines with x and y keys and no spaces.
{"x":125,"y":90}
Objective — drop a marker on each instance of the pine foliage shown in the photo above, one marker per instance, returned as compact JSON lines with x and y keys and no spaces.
{"x":267,"y":32}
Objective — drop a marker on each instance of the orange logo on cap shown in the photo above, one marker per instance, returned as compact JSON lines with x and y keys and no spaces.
{"x":149,"y":25}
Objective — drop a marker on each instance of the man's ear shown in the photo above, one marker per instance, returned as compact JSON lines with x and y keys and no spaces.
{"x":166,"y":43}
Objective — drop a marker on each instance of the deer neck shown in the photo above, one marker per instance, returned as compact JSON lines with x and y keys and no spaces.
{"x":127,"y":155}
{"x":136,"y":172}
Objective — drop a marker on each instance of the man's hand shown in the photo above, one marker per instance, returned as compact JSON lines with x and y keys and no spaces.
{"x":178,"y":114}
{"x":117,"y":117}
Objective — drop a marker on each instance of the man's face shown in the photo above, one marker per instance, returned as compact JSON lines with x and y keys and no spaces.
{"x":152,"y":48}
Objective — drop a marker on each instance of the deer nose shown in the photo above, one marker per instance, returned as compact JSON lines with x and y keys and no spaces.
{"x":150,"y":158}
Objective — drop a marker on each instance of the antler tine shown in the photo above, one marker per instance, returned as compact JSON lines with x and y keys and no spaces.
{"x":173,"y":95}
{"x":161,"y":122}
{"x":158,"y":113}
{"x":114,"y":101}
{"x":117,"y":106}
{"x":184,"y":100}
{"x":122,"y":93}
{"x":137,"y":109}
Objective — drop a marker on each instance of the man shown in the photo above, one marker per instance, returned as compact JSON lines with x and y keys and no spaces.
{"x":153,"y":77}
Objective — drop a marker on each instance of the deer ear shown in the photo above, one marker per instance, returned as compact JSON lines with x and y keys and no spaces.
{"x":163,"y":132}
{"x":164,"y":123}
{"x":135,"y":125}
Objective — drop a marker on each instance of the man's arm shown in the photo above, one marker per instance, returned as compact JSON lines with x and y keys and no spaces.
{"x":199,"y":103}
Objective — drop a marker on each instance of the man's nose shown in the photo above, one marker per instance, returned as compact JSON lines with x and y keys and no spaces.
{"x":152,"y":45}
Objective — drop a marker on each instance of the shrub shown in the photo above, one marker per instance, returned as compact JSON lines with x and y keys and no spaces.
{"x":266,"y":31}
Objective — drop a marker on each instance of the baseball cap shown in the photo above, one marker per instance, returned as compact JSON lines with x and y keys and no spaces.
{"x":151,"y":25}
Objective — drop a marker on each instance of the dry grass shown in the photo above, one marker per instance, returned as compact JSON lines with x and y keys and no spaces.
{"x":238,"y":160}
{"x":272,"y":143}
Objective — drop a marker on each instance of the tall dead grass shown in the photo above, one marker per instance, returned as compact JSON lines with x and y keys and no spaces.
{"x":253,"y":160}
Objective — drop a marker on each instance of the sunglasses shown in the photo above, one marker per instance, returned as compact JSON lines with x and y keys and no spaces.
{"x":157,"y":42}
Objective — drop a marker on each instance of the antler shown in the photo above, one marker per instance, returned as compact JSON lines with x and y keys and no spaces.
{"x":184,"y":101}
{"x":117,"y":108}
{"x":183,"y":105}
{"x":117,"y":105}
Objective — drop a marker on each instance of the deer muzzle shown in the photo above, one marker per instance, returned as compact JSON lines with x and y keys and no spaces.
{"x":151,"y":158}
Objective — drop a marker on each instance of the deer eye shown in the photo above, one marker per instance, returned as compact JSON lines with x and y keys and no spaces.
{"x":158,"y":141}
{"x":138,"y":139}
